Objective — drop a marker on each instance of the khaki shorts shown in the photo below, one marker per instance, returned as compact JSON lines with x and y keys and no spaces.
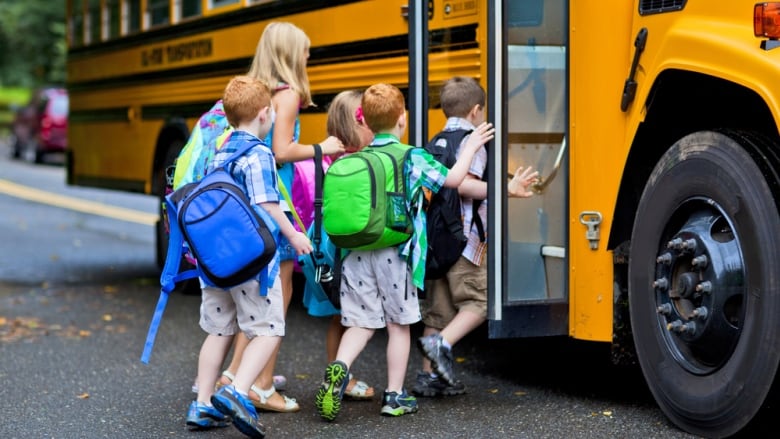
{"x":224,"y":312}
{"x":463,"y":288}
{"x":376,"y":288}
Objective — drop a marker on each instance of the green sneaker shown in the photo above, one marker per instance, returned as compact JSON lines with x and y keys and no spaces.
{"x":398,"y":404}
{"x":330,"y":393}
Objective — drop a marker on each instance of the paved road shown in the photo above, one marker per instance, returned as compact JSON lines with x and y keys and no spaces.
{"x":77,"y":292}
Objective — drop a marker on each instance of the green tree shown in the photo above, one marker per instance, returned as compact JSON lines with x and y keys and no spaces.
{"x":32,"y":43}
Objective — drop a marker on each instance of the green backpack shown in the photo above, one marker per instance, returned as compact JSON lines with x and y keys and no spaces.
{"x":364,"y":199}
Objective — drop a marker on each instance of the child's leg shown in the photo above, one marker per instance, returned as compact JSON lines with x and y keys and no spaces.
{"x":333,"y":337}
{"x":352,"y":344}
{"x":398,"y":345}
{"x":256,"y":356}
{"x":266,"y":377}
{"x":212,"y":354}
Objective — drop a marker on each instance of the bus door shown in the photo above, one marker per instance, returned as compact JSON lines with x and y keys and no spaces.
{"x":527,"y":261}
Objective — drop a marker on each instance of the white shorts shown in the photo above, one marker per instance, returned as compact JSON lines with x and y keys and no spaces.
{"x":376,"y":288}
{"x":224,"y":312}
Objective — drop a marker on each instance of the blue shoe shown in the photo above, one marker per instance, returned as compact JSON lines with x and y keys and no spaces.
{"x":398,"y":404}
{"x":240,"y":409}
{"x":330,"y":393}
{"x":201,"y":416}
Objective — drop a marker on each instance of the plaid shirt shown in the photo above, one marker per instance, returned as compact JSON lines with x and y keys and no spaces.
{"x":475,"y":250}
{"x":255,"y":171}
{"x":421,"y":171}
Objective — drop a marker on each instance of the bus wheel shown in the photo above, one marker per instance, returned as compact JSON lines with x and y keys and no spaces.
{"x":164,"y":185}
{"x":704,"y":291}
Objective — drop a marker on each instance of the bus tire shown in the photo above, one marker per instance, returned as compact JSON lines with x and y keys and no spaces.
{"x":706,"y":329}
{"x":189,"y":286}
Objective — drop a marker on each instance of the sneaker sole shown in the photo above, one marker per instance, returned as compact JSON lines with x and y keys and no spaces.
{"x":398,"y":411}
{"x":328,"y":399}
{"x":241,"y":422}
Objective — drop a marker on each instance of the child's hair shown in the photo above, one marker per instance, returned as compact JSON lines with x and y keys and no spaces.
{"x":459,"y":95}
{"x":343,"y":116}
{"x":382,"y":105}
{"x":244,"y":97}
{"x":280,"y":57}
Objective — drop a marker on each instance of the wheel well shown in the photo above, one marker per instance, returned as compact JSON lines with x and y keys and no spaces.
{"x":175,"y":129}
{"x":711,"y":104}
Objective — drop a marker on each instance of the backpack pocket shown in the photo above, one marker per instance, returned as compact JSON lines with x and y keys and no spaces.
{"x":397,"y":217}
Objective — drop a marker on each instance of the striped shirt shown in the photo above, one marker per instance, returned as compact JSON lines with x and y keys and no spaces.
{"x":255,"y":171}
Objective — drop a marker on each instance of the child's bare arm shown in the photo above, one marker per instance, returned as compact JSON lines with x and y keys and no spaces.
{"x":481,"y":135}
{"x":299,"y":241}
{"x":476,"y":189}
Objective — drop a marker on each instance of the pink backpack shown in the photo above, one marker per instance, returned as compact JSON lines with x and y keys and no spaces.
{"x":303,"y":192}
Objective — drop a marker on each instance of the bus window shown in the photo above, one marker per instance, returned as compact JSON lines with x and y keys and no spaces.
{"x":114,"y":18}
{"x":189,"y":8}
{"x":93,"y":21}
{"x":214,"y":4}
{"x":132,"y":16}
{"x":536,"y":79}
{"x":159,"y":12}
{"x":76,"y":28}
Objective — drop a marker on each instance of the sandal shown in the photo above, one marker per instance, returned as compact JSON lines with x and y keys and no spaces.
{"x":358,"y":390}
{"x":280,"y":381}
{"x":290,"y":405}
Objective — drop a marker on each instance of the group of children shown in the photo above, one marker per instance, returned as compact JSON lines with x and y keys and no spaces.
{"x":378,"y":286}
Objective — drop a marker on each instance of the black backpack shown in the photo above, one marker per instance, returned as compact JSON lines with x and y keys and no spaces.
{"x":446,"y":239}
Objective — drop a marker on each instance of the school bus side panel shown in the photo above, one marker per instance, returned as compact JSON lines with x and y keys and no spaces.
{"x":599,"y":61}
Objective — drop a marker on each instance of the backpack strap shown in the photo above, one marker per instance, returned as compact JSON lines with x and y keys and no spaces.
{"x":286,"y":195}
{"x":318,"y":176}
{"x":169,"y":277}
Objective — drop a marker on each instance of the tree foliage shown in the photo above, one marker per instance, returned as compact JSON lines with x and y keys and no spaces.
{"x":32,"y":43}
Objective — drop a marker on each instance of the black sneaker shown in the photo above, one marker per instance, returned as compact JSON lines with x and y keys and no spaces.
{"x":427,"y":385}
{"x":441,"y":357}
{"x":331,"y":391}
{"x":398,"y":404}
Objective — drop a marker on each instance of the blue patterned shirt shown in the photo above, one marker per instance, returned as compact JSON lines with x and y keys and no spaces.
{"x":255,"y":171}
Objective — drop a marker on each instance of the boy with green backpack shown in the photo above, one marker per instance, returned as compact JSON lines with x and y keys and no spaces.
{"x":387,"y":242}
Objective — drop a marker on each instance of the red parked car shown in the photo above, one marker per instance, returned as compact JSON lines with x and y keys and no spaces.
{"x":41,"y":126}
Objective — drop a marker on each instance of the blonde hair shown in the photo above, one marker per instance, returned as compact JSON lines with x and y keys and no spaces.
{"x":280,"y":58}
{"x":342,"y":118}
{"x":243,"y":99}
{"x":382,"y":105}
{"x":459,"y":95}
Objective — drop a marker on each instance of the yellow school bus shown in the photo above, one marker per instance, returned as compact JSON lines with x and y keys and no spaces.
{"x":654,"y":124}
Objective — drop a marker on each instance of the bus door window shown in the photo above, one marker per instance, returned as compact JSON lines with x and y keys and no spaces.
{"x":536,"y":122}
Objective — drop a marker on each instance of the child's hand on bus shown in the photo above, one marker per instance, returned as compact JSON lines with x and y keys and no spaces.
{"x":332,"y":146}
{"x":522,"y":180}
{"x":481,"y":135}
{"x":301,"y":243}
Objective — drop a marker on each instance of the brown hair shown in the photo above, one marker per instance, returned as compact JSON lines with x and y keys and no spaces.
{"x":382,"y":105}
{"x":459,"y":95}
{"x":244,"y":98}
{"x":342,"y":118}
{"x":280,"y":57}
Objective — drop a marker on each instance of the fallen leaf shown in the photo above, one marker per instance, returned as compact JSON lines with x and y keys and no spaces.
{"x":460,"y":359}
{"x":110,"y":289}
{"x":84,"y":333}
{"x":107,"y":317}
{"x":3,"y":321}
{"x":301,"y":376}
{"x":84,"y":395}
{"x":520,"y":393}
{"x":607,"y":412}
{"x":493,"y":390}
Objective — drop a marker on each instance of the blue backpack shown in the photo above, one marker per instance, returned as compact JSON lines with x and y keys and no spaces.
{"x":231,"y":240}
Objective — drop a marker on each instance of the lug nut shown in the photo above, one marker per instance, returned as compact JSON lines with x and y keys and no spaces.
{"x":704,"y":287}
{"x":700,"y":262}
{"x":665,"y":258}
{"x":664,"y":309}
{"x":661,"y":283}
